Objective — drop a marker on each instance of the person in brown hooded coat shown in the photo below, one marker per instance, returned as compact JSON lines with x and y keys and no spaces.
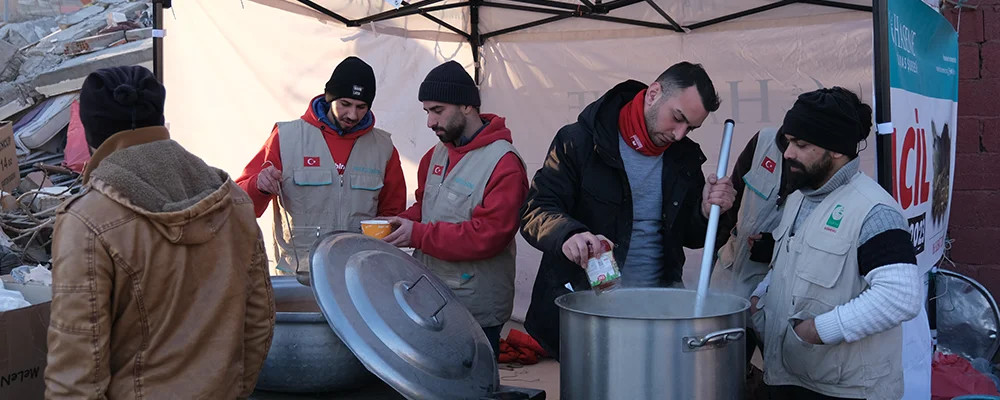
{"x":160,"y":283}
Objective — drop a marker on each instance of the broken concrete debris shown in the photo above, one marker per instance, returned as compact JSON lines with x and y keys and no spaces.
{"x":81,"y":15}
{"x":87,"y":27}
{"x":7,"y":52}
{"x":101,"y":41}
{"x":69,"y":75}
{"x":13,"y":99}
{"x":26,"y":33}
{"x":34,"y":65}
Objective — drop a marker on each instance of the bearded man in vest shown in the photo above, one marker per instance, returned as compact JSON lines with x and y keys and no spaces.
{"x":745,"y":238}
{"x":470,"y":187}
{"x":328,"y":170}
{"x":627,"y":171}
{"x":745,"y":241}
{"x":844,"y":274}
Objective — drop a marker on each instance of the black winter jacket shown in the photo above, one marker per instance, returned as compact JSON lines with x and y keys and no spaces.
{"x":582,"y":186}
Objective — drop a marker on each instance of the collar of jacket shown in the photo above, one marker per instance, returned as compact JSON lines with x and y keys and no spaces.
{"x":121,"y":140}
{"x":602,"y":118}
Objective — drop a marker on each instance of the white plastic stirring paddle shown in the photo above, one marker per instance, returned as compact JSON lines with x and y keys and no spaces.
{"x":713,"y":224}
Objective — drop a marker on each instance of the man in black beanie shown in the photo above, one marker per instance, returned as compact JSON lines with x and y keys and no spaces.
{"x":470,"y":187}
{"x":844,"y":276}
{"x":159,"y":273}
{"x":328,"y":170}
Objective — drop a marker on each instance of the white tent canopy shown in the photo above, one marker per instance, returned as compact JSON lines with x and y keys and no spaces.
{"x":520,"y":20}
{"x":233,"y":69}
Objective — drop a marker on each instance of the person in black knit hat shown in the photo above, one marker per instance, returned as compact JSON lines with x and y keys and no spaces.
{"x":449,"y":83}
{"x":470,"y":187}
{"x":329,"y":169}
{"x":159,"y":262}
{"x":834,"y":120}
{"x":119,"y":99}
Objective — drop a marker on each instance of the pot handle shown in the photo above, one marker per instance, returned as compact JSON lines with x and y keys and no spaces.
{"x":714,"y":339}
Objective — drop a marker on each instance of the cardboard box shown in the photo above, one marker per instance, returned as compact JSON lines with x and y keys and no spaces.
{"x":10,"y":176}
{"x":23,"y":346}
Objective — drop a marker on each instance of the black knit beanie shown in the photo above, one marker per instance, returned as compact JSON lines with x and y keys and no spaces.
{"x":353,"y":79}
{"x":449,"y":83}
{"x":834,"y":119}
{"x":119,"y":99}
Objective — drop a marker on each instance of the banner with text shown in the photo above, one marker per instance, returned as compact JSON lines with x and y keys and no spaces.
{"x":923,"y":80}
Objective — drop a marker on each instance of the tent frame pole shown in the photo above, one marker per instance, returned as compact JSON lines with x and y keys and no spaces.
{"x":158,"y":7}
{"x":557,"y":11}
{"x":883,"y":110}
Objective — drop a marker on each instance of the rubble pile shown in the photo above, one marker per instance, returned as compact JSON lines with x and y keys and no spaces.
{"x":47,"y":49}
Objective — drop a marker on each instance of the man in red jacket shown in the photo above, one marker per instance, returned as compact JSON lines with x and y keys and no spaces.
{"x":470,"y":189}
{"x":328,"y":170}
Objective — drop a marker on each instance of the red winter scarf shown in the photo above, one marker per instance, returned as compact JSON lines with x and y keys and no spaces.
{"x":632,"y":126}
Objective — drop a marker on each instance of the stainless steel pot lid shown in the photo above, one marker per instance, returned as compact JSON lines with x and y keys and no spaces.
{"x":401,"y":321}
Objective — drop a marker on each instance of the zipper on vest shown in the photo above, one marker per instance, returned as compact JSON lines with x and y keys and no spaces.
{"x":444,"y":171}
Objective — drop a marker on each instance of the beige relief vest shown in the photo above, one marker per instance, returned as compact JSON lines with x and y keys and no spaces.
{"x":316,"y":197}
{"x":816,"y":269}
{"x":485,"y":287}
{"x":758,"y":213}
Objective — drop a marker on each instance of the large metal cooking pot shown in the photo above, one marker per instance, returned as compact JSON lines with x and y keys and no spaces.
{"x":645,"y":343}
{"x":306,"y":356}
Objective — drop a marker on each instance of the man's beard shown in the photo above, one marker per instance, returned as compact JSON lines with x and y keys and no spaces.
{"x":650,"y":117}
{"x":811,"y":178}
{"x":451,"y":131}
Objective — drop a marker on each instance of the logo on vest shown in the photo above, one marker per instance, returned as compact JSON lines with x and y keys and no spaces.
{"x":636,"y":143}
{"x":357,"y":90}
{"x":437,"y":170}
{"x":310,"y":161}
{"x":768,"y":164}
{"x":465,"y":183}
{"x":366,"y":170}
{"x":833,"y":222}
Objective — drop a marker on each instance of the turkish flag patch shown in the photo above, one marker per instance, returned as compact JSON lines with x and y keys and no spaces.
{"x":768,"y":164}
{"x":310,"y":161}
{"x":437,"y":170}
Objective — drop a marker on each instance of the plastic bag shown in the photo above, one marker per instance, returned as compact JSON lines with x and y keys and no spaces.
{"x":26,"y":273}
{"x":954,"y":376}
{"x":12,"y":300}
{"x":77,"y":152}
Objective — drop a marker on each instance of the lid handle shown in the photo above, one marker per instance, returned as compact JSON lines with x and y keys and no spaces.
{"x":423,"y":278}
{"x":419,"y":299}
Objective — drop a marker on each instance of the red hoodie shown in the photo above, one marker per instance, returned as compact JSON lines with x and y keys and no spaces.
{"x":391,"y":200}
{"x":493,"y":223}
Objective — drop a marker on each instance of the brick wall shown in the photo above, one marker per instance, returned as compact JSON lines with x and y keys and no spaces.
{"x":975,"y":212}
